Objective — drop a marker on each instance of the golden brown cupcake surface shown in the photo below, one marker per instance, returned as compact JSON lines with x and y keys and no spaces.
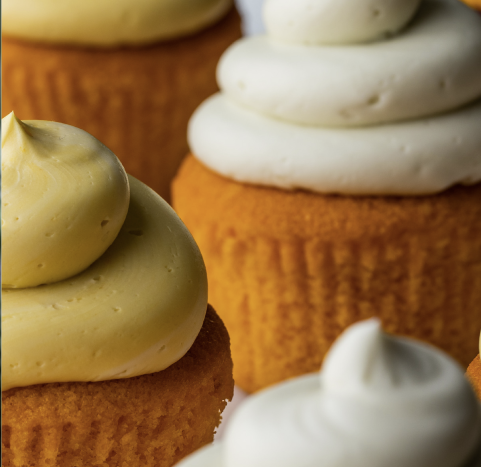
{"x":150,"y":420}
{"x":289,"y":270}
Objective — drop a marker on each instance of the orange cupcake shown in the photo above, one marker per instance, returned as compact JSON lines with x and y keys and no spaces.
{"x":130,"y":73}
{"x":109,"y":357}
{"x":321,"y":190}
{"x":476,"y":4}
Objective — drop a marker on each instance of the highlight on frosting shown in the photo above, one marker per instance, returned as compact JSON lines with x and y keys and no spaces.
{"x":313,"y":107}
{"x":379,"y":400}
{"x":108,"y":22}
{"x":134,"y":307}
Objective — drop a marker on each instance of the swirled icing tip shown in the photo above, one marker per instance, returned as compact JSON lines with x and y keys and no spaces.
{"x":65,"y":197}
{"x":357,"y":357}
{"x":316,"y":22}
{"x":366,"y":360}
{"x":13,"y":129}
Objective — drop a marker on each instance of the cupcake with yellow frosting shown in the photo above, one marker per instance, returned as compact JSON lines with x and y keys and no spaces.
{"x":108,"y":354}
{"x":379,"y":400}
{"x":336,"y":177}
{"x":129,"y":73}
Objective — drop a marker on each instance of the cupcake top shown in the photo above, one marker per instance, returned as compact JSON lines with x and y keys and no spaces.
{"x":100,"y":278}
{"x":379,"y":400}
{"x":355,"y":96}
{"x":108,"y":22}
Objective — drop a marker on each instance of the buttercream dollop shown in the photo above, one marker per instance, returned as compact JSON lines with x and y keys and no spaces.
{"x":136,"y":310}
{"x":74,"y":199}
{"x":339,"y":22}
{"x":379,"y":400}
{"x":427,"y":71}
{"x":108,"y":22}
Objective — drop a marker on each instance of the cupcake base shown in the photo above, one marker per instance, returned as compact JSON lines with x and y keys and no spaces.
{"x":474,"y":375}
{"x":290,"y":270}
{"x":150,"y":420}
{"x":136,"y":100}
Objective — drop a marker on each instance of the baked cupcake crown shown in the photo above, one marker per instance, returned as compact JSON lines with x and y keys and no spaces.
{"x":379,"y":400}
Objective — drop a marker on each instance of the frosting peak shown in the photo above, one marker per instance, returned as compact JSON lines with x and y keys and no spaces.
{"x":336,"y":22}
{"x":364,"y":360}
{"x":379,"y":400}
{"x":75,"y":197}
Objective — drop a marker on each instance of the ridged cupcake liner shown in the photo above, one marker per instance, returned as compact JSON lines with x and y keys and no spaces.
{"x":136,"y":100}
{"x":150,"y":420}
{"x":285,"y":297}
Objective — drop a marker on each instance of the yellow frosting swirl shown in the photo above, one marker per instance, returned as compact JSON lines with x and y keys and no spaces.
{"x":108,"y":22}
{"x":135,"y":310}
{"x":74,"y":199}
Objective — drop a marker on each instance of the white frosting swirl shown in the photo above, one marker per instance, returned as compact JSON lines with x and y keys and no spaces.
{"x":385,"y":88}
{"x":108,"y":22}
{"x":431,"y":67}
{"x":336,"y":22}
{"x":379,"y":401}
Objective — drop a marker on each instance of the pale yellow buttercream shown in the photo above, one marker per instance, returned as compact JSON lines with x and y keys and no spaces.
{"x":74,"y":197}
{"x":108,"y":22}
{"x":135,"y":310}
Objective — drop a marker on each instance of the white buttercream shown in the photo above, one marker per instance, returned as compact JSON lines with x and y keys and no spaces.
{"x":75,"y":197}
{"x":379,"y":401}
{"x":399,"y":116}
{"x":432,"y":67}
{"x":336,"y":21}
{"x":415,"y":158}
{"x":108,"y":22}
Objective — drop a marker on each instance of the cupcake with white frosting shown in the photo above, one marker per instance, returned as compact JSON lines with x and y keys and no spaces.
{"x":129,"y":73}
{"x":379,"y":400}
{"x":336,"y":175}
{"x":109,"y":356}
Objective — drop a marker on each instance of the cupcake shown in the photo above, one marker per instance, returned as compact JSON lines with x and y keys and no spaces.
{"x":474,"y":373}
{"x":476,"y":4}
{"x":129,"y":73}
{"x":379,"y":400}
{"x":336,"y":177}
{"x":110,"y":353}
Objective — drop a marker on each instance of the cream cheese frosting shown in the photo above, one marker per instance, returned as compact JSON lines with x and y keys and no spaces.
{"x":340,"y":105}
{"x":136,"y":310}
{"x":379,"y":400}
{"x":108,"y":22}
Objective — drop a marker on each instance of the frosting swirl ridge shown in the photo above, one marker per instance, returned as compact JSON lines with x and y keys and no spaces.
{"x":340,"y":22}
{"x":433,"y":66}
